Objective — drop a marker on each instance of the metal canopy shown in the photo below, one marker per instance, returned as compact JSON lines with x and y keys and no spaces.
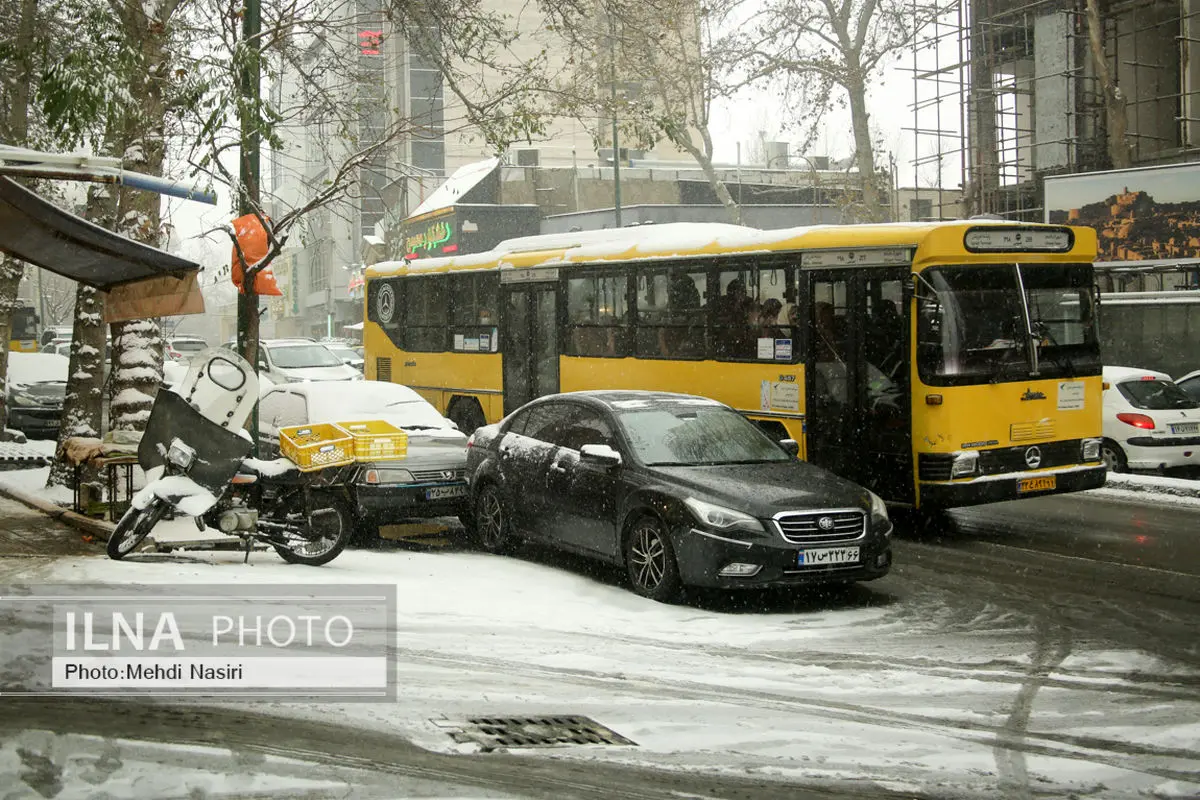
{"x":41,"y":233}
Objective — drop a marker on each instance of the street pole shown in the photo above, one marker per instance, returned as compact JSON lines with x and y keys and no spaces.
{"x":612,"y":62}
{"x":248,"y":201}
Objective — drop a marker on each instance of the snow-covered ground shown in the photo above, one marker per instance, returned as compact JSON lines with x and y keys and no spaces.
{"x":930,"y":692}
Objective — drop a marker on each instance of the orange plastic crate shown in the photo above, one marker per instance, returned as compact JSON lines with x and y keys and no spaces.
{"x":316,"y":446}
{"x":376,"y":440}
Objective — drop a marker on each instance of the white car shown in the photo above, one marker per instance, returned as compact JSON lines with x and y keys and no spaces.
{"x":429,"y":482}
{"x":1149,"y":422}
{"x":294,"y":360}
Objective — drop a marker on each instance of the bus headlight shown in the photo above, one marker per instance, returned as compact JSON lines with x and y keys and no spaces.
{"x":965,"y":464}
{"x":1091,"y":449}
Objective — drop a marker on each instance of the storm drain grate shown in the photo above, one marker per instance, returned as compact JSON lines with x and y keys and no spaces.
{"x":493,"y":733}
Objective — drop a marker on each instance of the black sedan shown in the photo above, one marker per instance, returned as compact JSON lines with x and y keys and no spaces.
{"x":681,"y":490}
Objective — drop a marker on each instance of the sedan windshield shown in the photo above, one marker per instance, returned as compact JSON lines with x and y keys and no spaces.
{"x":305,"y":355}
{"x":1156,"y":395}
{"x":678,"y":435}
{"x":977,"y":323}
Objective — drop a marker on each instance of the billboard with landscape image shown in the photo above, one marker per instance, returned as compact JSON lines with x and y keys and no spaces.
{"x":1139,"y":214}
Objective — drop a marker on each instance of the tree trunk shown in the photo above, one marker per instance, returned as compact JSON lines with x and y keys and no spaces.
{"x":137,"y":345}
{"x":864,"y":151}
{"x":1117,"y":123}
{"x":83,"y":406}
{"x":16,"y":124}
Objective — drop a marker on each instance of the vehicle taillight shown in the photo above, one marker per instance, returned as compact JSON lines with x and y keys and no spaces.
{"x":1137,"y":421}
{"x":470,"y":441}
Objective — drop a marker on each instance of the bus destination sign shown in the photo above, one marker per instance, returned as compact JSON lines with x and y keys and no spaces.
{"x":854,"y":258}
{"x":1018,"y":240}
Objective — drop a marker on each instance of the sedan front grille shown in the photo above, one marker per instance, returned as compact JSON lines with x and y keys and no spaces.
{"x":822,"y":527}
{"x":438,"y":475}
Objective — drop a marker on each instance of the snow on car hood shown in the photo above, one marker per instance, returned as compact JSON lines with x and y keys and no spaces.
{"x":779,"y":486}
{"x":338,"y":372}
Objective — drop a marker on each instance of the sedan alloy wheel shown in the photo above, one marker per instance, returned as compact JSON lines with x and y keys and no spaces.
{"x":650,"y":561}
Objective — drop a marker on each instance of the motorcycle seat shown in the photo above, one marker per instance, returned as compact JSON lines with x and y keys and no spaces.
{"x":277,"y":469}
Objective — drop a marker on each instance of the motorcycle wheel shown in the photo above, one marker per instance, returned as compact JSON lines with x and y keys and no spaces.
{"x":321,"y":551}
{"x":134,"y":526}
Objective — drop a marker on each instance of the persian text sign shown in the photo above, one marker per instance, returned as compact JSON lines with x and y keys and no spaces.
{"x":258,"y":642}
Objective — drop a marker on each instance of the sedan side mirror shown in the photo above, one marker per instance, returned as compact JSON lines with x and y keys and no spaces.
{"x":791,"y":447}
{"x":600,"y":455}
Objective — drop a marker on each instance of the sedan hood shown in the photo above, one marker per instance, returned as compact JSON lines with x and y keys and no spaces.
{"x":763,"y":490}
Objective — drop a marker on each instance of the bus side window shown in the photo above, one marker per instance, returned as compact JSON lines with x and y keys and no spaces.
{"x":668,"y":322}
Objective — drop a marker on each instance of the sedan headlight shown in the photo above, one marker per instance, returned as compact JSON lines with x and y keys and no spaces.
{"x":389,"y":476}
{"x":721,"y":518}
{"x":879,"y":515}
{"x":24,"y":400}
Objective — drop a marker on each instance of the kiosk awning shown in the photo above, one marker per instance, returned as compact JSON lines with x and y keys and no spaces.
{"x":144,"y":281}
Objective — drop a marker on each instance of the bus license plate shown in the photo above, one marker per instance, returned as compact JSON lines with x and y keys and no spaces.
{"x":1037,"y":484}
{"x":442,"y":492}
{"x":828,"y":555}
{"x":1186,"y":427}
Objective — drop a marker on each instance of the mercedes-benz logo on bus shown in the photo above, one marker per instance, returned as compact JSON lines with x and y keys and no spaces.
{"x":448,"y":474}
{"x":385,"y":304}
{"x":825,"y":523}
{"x":1033,"y":457}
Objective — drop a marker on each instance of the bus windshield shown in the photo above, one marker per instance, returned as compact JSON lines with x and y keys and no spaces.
{"x":994,"y":323}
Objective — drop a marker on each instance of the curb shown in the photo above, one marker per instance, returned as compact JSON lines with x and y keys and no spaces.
{"x":1143,"y":488}
{"x":95,"y":527}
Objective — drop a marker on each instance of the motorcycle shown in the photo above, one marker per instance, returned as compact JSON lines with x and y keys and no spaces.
{"x":195,"y":454}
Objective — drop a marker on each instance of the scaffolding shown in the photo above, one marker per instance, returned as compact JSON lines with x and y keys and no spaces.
{"x":1005,"y":92}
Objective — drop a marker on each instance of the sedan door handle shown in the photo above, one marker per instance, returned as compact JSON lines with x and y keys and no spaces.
{"x":557,"y":467}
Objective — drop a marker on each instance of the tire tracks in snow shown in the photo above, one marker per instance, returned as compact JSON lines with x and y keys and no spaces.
{"x":1114,"y":753}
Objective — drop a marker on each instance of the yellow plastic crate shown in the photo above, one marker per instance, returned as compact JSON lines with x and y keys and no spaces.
{"x":376,"y":440}
{"x":316,"y":446}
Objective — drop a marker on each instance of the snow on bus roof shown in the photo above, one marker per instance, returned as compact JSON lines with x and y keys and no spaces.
{"x":669,"y":240}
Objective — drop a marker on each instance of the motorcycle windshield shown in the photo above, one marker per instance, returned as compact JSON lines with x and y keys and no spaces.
{"x":219,"y":451}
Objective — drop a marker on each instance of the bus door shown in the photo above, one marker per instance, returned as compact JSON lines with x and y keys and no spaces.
{"x":529,"y":341}
{"x":858,"y":413}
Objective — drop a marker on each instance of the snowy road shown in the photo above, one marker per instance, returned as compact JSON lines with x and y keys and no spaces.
{"x":977,"y":669}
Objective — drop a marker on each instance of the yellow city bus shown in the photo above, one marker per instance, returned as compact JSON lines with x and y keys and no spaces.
{"x":23,"y":330}
{"x":939,"y":364}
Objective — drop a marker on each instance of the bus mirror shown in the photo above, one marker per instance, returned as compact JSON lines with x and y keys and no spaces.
{"x":791,"y":447}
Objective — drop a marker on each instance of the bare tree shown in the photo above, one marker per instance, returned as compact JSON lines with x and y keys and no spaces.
{"x":657,"y":69}
{"x":1119,"y":149}
{"x":826,"y":52}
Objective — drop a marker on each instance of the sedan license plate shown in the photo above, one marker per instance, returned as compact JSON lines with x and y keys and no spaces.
{"x":442,"y":492}
{"x":827,"y":555}
{"x":1186,"y":427}
{"x":1042,"y":484}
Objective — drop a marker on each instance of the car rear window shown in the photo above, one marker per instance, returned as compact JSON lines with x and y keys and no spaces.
{"x":188,"y":345}
{"x":1156,"y":395}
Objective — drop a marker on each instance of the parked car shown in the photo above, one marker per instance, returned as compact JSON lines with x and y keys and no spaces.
{"x":1149,"y":422}
{"x":292,"y":360}
{"x":429,"y":482}
{"x":681,"y":490}
{"x":347,"y":354}
{"x":37,"y":389}
{"x":182,"y":348}
{"x":1190,"y":383}
{"x":60,"y":347}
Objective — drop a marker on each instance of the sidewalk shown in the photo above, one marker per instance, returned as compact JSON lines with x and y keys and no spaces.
{"x":26,"y":531}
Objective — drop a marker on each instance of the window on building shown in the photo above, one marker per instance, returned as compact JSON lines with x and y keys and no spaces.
{"x":920,"y":208}
{"x":320,"y":257}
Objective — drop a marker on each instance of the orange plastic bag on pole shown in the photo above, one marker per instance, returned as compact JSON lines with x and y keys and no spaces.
{"x":252,"y":238}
